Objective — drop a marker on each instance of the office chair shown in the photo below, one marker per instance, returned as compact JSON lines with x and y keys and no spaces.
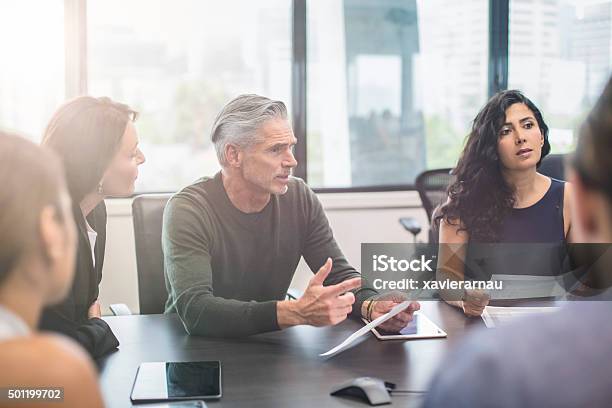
{"x":553,"y":166}
{"x":147,"y":213}
{"x":431,"y":186}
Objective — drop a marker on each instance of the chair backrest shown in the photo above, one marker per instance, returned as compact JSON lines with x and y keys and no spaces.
{"x":553,"y":166}
{"x":147,"y":213}
{"x":434,"y":225}
{"x":432,"y":185}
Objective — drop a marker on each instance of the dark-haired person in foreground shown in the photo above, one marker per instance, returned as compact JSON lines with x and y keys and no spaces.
{"x":98,"y":146}
{"x":232,"y":242}
{"x":37,"y":251}
{"x":499,"y":197}
{"x":563,"y":359}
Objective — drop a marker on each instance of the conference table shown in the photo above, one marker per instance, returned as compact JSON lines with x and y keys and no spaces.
{"x":283,"y":368}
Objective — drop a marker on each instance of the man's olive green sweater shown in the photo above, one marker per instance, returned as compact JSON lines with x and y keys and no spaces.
{"x":225,"y":269}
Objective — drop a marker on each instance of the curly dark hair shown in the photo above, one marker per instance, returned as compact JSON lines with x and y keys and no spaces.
{"x":480,"y":197}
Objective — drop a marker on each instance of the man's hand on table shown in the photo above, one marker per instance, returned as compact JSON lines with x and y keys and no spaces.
{"x":382,"y":304}
{"x":319,"y":305}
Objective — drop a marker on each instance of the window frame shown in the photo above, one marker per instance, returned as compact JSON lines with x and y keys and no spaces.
{"x":76,"y":73}
{"x":497,"y":79}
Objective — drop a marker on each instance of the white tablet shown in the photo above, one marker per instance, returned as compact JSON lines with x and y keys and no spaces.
{"x":419,"y":328}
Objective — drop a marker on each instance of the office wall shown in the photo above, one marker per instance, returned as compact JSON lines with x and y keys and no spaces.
{"x":354,"y":217}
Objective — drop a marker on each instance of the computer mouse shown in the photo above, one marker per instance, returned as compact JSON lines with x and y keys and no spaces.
{"x":369,"y":389}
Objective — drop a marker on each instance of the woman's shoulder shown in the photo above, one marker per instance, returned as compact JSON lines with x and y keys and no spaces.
{"x":550,"y":188}
{"x":567,"y":186}
{"x":43,"y":359}
{"x":557,"y":183}
{"x":46,"y":350}
{"x":560,"y":188}
{"x":452,"y":232}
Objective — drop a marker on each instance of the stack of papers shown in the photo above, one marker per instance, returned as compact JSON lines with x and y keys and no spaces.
{"x":498,"y":316}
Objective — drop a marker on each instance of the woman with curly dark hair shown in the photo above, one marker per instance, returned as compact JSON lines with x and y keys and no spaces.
{"x":498,"y":195}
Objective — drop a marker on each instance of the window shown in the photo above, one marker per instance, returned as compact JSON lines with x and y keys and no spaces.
{"x":32,"y":82}
{"x":178,"y":62}
{"x":393,"y":86}
{"x":567,"y":62}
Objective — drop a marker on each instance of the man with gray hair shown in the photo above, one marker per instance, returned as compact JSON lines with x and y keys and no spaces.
{"x":232,"y":242}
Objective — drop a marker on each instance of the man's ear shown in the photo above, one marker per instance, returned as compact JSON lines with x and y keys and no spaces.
{"x":50,"y":234}
{"x":233,"y":155}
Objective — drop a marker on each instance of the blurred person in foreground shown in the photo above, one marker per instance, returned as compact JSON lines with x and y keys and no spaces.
{"x":37,"y":253}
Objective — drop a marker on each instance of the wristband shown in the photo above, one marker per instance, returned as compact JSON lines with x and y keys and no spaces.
{"x":369,"y":310}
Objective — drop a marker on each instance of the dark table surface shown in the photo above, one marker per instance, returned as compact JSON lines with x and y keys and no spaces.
{"x":281,"y":369}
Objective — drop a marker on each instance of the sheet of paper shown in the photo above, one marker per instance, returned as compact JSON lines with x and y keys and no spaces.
{"x":374,"y":323}
{"x":494,"y":316}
